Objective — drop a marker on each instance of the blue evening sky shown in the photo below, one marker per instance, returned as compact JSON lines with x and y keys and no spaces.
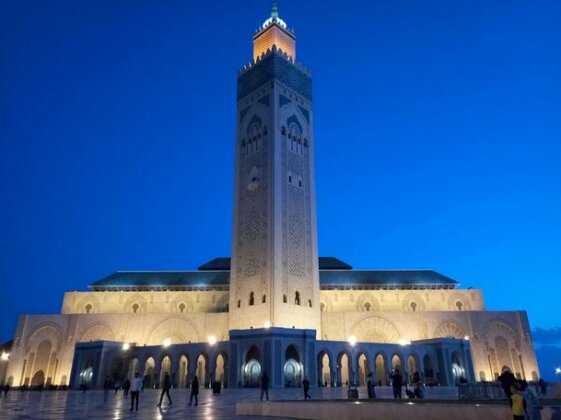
{"x":437,"y":130}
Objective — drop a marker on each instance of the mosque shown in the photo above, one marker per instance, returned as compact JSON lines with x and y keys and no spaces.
{"x":275,"y":305}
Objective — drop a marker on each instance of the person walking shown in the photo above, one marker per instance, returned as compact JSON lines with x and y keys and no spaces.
{"x":397,"y":382}
{"x":370,"y":384}
{"x":126,"y":387}
{"x":194,"y":391}
{"x":306,"y":385}
{"x":165,"y":389}
{"x":136,"y":386}
{"x":264,"y":386}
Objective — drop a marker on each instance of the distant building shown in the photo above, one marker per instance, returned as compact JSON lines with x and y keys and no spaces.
{"x":275,"y":306}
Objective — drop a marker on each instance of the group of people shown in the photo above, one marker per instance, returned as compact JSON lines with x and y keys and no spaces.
{"x":265,"y":387}
{"x":522,"y":399}
{"x":137,"y":384}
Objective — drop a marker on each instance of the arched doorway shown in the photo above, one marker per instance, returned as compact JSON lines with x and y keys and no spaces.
{"x":183,"y":365}
{"x":381,"y":375}
{"x":86,"y":374}
{"x":38,"y":379}
{"x":292,"y":367}
{"x":430,"y":378}
{"x":344,"y":369}
{"x":324,"y":373}
{"x":201,"y":371}
{"x":362,"y":369}
{"x":221,"y":374}
{"x":252,"y":367}
{"x":411,"y":366}
{"x":165,"y":368}
{"x":396,"y":362}
{"x":458,"y":370}
{"x":149,"y":373}
{"x":44,"y":362}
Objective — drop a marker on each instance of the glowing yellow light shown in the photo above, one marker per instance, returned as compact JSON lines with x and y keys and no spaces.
{"x":211,"y":340}
{"x":403,"y":342}
{"x":5,"y":356}
{"x":267,"y":324}
{"x":466,"y":337}
{"x":167,"y":342}
{"x":126,"y":346}
{"x":352,"y":340}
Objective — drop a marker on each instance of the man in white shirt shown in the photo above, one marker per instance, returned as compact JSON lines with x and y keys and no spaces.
{"x":136,"y":386}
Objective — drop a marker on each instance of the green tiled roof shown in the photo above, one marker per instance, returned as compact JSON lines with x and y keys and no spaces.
{"x":215,"y":274}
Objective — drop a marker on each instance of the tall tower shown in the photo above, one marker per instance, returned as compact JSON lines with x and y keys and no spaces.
{"x":274,"y":273}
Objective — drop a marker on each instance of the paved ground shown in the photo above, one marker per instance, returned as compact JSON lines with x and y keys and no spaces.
{"x":77,"y":405}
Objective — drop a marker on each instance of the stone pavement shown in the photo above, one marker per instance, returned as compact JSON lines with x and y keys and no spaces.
{"x":77,"y":405}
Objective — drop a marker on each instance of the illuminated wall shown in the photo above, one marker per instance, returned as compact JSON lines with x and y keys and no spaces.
{"x":274,"y":35}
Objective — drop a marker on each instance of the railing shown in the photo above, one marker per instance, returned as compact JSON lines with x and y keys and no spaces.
{"x":481,"y":391}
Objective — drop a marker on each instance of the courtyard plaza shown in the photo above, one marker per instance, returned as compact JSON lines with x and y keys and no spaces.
{"x":77,"y":404}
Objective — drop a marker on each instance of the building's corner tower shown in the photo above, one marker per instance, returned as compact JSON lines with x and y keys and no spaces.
{"x":274,"y":273}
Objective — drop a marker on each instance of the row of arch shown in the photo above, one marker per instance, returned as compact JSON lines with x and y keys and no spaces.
{"x":411,"y":302}
{"x":138,"y":304}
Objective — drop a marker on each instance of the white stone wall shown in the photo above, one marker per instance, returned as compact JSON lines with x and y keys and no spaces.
{"x":152,"y":302}
{"x":62,"y":332}
{"x":497,"y":338}
{"x":46,"y":342}
{"x":401,"y":300}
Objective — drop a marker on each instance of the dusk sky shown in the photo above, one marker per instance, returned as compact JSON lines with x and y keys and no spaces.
{"x":437,"y":133}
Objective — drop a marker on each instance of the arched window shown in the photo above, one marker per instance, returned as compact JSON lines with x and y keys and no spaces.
{"x":367,"y":306}
{"x":284,"y":299}
{"x":239,"y":303}
{"x":459,"y":305}
{"x":322,"y":307}
{"x":264,"y":299}
{"x":181,"y":307}
{"x":413,"y":306}
{"x":88,"y":308}
{"x":310,"y":303}
{"x":251,"y":299}
{"x":135,"y":308}
{"x":283,"y":130}
{"x":297,"y":298}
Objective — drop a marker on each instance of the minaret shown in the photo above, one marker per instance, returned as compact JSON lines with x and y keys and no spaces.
{"x":274,"y":274}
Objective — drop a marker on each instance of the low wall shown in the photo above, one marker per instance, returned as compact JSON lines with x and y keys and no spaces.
{"x":383,"y":409}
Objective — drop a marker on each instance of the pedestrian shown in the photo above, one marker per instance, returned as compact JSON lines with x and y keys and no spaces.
{"x":6,"y":389}
{"x":507,"y":380}
{"x":533,"y":405}
{"x":543,"y":387}
{"x":397,"y":381}
{"x":306,"y":385}
{"x":107,"y":385}
{"x":194,"y":391}
{"x":264,"y":386}
{"x":165,"y":389}
{"x":517,"y":403}
{"x":136,"y":386}
{"x":370,"y":384}
{"x":417,"y":386}
{"x":116,"y":385}
{"x":126,"y":388}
